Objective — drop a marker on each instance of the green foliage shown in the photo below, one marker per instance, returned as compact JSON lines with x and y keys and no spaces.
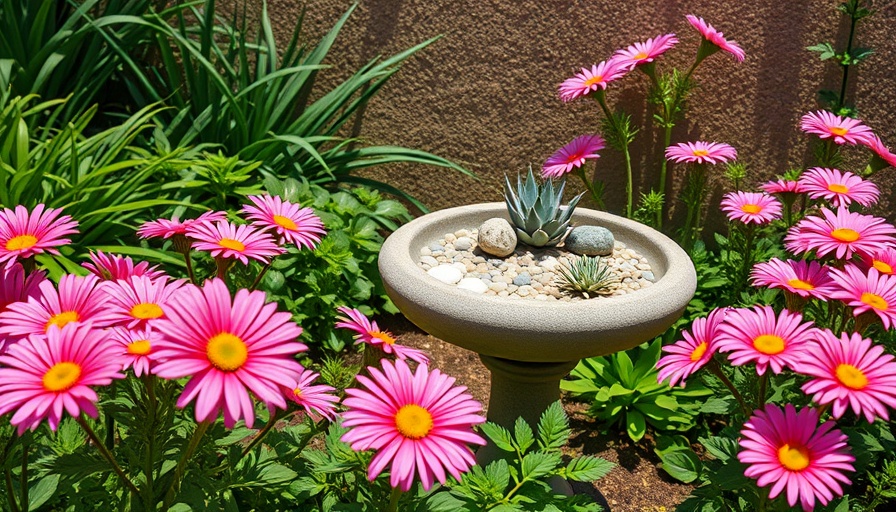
{"x":587,"y":275}
{"x":536,"y":210}
{"x":625,"y":391}
{"x":649,"y":207}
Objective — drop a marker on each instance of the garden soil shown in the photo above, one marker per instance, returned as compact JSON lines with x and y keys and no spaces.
{"x":636,"y":484}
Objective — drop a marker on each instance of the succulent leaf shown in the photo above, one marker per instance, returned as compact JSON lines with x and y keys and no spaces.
{"x":535,"y":210}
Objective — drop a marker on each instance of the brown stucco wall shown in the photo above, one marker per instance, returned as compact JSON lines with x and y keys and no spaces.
{"x":485,"y":94}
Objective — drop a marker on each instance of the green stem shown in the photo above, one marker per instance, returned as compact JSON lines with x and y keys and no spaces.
{"x":580,"y":171}
{"x":181,"y":468}
{"x":23,"y":477}
{"x":189,"y":261}
{"x":10,"y":492}
{"x":260,"y":275}
{"x":852,"y":30}
{"x":667,"y":140}
{"x":624,"y":143}
{"x":149,"y":457}
{"x":717,"y":371}
{"x":107,"y":455}
{"x":747,"y":264}
{"x":628,"y":182}
{"x":275,"y":417}
{"x":763,"y":385}
{"x":393,"y":500}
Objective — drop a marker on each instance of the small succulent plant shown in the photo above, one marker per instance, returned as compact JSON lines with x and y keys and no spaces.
{"x":535,"y":210}
{"x":587,"y":275}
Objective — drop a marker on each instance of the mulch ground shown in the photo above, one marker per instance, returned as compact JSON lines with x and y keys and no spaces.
{"x":636,"y":484}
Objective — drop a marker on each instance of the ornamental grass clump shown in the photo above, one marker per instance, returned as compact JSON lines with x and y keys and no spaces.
{"x":588,"y":275}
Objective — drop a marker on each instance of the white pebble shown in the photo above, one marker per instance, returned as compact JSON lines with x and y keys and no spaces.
{"x":447,"y":274}
{"x":473,"y":284}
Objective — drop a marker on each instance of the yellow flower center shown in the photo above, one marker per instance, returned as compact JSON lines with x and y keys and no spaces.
{"x":851,"y":377}
{"x":700,"y":152}
{"x":839,"y":130}
{"x":234,"y":245}
{"x":794,"y":458}
{"x":875,"y":301}
{"x":60,"y":319}
{"x":799,"y":284}
{"x":21,"y":242}
{"x":769,"y":344}
{"x":413,"y":421}
{"x":383,"y":336}
{"x":699,"y":351}
{"x":61,"y":376}
{"x":297,"y":392}
{"x":639,"y":56}
{"x":146,"y":311}
{"x":838,"y":188}
{"x":594,"y":80}
{"x":882,"y":267}
{"x":751,"y":208}
{"x":139,"y":348}
{"x":845,"y":235}
{"x":226,"y":352}
{"x":285,"y":222}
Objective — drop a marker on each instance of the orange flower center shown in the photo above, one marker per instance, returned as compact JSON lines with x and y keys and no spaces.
{"x":700,"y":152}
{"x":875,"y":301}
{"x":799,"y":284}
{"x":383,"y":336}
{"x":839,"y":131}
{"x":61,"y":377}
{"x":413,"y":421}
{"x":285,"y":222}
{"x":226,"y":352}
{"x":838,"y":188}
{"x":573,"y":158}
{"x":882,"y":267}
{"x":845,"y":235}
{"x":639,"y":56}
{"x":594,"y":80}
{"x":139,"y":348}
{"x":794,"y":458}
{"x":851,"y":377}
{"x":21,"y":242}
{"x":769,"y":344}
{"x":297,"y":392}
{"x":60,"y":319}
{"x":699,"y":351}
{"x":751,"y":208}
{"x":234,"y":245}
{"x":146,"y":311}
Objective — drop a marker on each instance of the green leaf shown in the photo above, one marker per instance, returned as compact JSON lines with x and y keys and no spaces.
{"x":553,"y":427}
{"x":666,"y":443}
{"x":720,"y":447}
{"x":716,"y":405}
{"x":588,"y":469}
{"x":498,"y":435}
{"x":635,"y":425}
{"x":682,"y":465}
{"x":825,"y":50}
{"x":41,"y":492}
{"x":523,"y":433}
{"x":538,"y":464}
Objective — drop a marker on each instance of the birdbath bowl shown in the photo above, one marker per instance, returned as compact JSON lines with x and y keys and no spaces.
{"x":530,"y":345}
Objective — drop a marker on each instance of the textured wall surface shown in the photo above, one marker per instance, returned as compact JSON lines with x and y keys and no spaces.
{"x":485,"y":95}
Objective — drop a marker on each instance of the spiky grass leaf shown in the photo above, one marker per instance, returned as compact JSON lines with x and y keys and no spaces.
{"x":587,"y":275}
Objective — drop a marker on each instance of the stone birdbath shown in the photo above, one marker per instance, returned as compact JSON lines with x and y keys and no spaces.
{"x":527,"y":345}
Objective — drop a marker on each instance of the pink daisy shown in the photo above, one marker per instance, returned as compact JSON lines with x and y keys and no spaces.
{"x":294,"y":224}
{"x":843,"y":233}
{"x":112,"y":267}
{"x":646,"y":52}
{"x":42,"y":376}
{"x":370,"y":333}
{"x":227,"y":240}
{"x":782,"y":187}
{"x":883,"y":259}
{"x":589,"y":81}
{"x":758,"y":335}
{"x":165,"y":228}
{"x":693,"y":352}
{"x":16,"y":287}
{"x":750,"y":207}
{"x":136,"y":348}
{"x":838,"y":187}
{"x":803,"y":278}
{"x":867,"y":292}
{"x":716,"y":38}
{"x":314,"y":399}
{"x":420,"y":423}
{"x":883,"y":152}
{"x":842,"y":129}
{"x":24,"y":234}
{"x":701,"y":152}
{"x":139,"y":301}
{"x":78,"y":299}
{"x":572,"y":156}
{"x":790,"y":451}
{"x":850,"y":371}
{"x":227,"y":346}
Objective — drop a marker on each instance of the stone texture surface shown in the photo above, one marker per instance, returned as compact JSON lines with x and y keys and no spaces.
{"x":497,"y":237}
{"x":590,"y":241}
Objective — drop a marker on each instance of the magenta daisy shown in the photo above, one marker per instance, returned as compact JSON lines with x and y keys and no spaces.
{"x":112,"y":267}
{"x":843,"y":130}
{"x":227,"y":346}
{"x":790,"y":451}
{"x":751,"y":207}
{"x":16,"y":287}
{"x":417,"y":423}
{"x":693,"y":352}
{"x":294,"y":224}
{"x":370,"y":333}
{"x":646,"y":52}
{"x":314,"y":399}
{"x":24,"y":234}
{"x":838,"y":187}
{"x":135,"y":347}
{"x":42,"y":376}
{"x":589,"y":81}
{"x":782,"y":187}
{"x":882,"y":151}
{"x":78,"y":299}
{"x":883,"y":259}
{"x":139,"y":301}
{"x":167,"y":228}
{"x":701,"y":152}
{"x":843,"y":233}
{"x":572,"y":156}
{"x":803,"y":278}
{"x":867,"y":292}
{"x":758,"y":335}
{"x":227,"y":240}
{"x":852,"y":372}
{"x":715,"y":37}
